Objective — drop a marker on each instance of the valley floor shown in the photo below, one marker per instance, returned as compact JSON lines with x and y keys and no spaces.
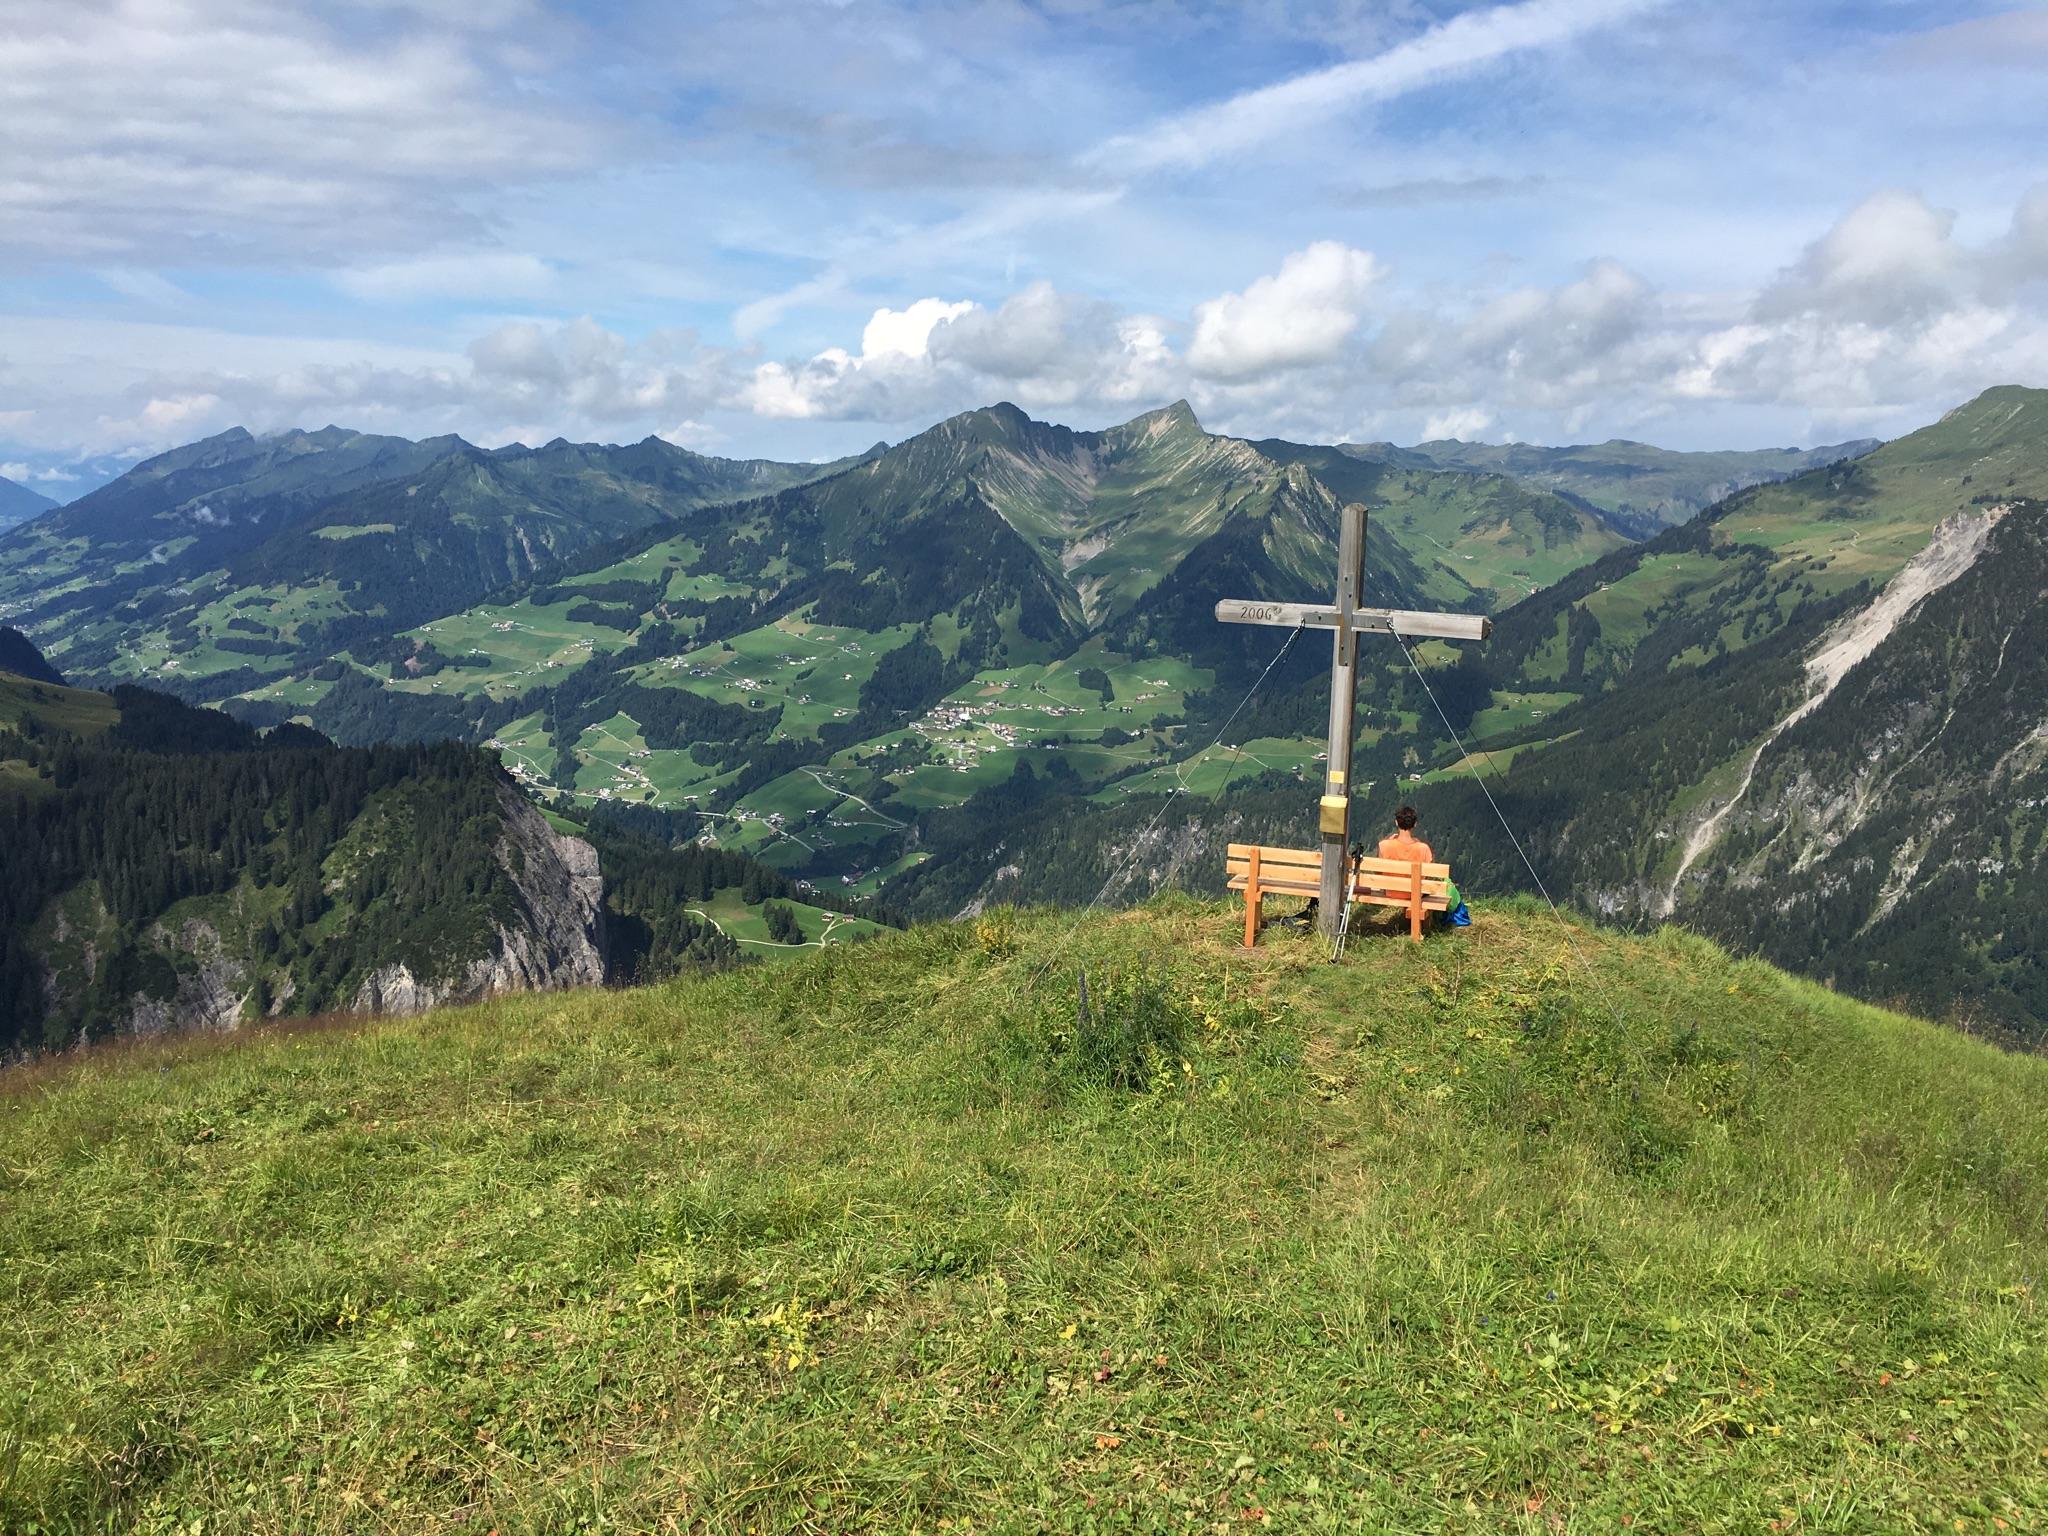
{"x":1515,"y":1230}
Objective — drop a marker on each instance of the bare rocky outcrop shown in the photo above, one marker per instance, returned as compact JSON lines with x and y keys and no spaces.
{"x":201,"y":974}
{"x":1952,"y":550}
{"x":208,"y":996}
{"x":556,"y":940}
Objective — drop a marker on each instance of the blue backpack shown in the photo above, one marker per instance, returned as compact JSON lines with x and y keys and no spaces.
{"x":1459,"y":915}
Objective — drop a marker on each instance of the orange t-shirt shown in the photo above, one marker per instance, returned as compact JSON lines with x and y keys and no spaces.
{"x":1406,"y":845}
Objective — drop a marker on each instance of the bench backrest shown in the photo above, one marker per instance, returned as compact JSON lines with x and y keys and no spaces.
{"x":1299,"y":871}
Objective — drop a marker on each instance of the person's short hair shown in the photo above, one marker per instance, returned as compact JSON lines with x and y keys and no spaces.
{"x":1405,"y":818}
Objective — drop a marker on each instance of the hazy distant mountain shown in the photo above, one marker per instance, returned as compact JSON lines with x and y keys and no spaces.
{"x":240,"y":551}
{"x":1640,"y":488}
{"x":18,"y":503}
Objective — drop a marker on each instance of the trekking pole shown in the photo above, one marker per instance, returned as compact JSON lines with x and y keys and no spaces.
{"x":1350,"y":901}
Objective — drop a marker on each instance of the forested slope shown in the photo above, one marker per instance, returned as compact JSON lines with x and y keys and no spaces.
{"x":164,"y":867}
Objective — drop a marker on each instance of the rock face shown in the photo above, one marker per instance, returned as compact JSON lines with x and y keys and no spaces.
{"x":208,"y":996}
{"x":1892,"y":837}
{"x":556,"y":941}
{"x":1949,"y":554}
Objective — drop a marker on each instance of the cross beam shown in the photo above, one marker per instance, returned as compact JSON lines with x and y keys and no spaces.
{"x":1385,"y":621}
{"x":1347,"y":621}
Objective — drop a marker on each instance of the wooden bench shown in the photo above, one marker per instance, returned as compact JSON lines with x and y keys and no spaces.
{"x":1262,"y":872}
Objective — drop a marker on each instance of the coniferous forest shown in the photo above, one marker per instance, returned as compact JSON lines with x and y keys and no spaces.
{"x":163,"y":865}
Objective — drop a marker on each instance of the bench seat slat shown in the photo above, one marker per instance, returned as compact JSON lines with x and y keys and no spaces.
{"x":1240,"y":855}
{"x":1436,"y":902}
{"x":1397,"y":883}
{"x":1281,"y":887}
{"x":1273,"y":858}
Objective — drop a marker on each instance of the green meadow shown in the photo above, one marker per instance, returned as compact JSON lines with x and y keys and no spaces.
{"x":1527,"y":1228}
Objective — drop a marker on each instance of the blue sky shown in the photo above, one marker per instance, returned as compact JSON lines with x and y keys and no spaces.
{"x":789,"y":229}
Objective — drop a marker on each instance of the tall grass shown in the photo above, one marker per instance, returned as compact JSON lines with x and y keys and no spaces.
{"x":1501,"y":1232}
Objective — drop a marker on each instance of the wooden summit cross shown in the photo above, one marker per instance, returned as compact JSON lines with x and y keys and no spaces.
{"x":1348,"y":621}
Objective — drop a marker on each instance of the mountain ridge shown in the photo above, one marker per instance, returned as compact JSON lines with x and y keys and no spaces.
{"x":1621,"y":715}
{"x":1638,"y":487}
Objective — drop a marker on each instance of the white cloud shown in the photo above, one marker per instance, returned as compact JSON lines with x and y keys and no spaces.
{"x":174,"y":131}
{"x":23,"y":473}
{"x":893,"y":358}
{"x":1039,"y":348}
{"x":698,"y":436}
{"x":1890,"y":257}
{"x":2022,"y":256}
{"x":1468,"y":422}
{"x":477,"y":275}
{"x":1458,"y":46}
{"x":904,"y":332}
{"x":777,"y":390}
{"x":592,"y":375}
{"x":1304,"y":313}
{"x":1886,"y":306}
{"x":170,"y":418}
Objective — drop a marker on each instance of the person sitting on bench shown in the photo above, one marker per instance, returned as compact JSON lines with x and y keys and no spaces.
{"x":1404,"y":844}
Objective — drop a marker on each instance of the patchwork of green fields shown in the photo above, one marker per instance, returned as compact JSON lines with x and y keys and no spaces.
{"x":522,"y":642}
{"x":812,"y":673}
{"x":745,"y":926}
{"x":1515,"y":711}
{"x":1214,"y":768}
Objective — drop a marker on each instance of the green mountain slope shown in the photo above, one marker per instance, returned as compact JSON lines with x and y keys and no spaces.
{"x":1811,"y":721}
{"x":1736,"y":575}
{"x":1508,"y":1231}
{"x":1636,"y":724}
{"x":1902,"y":818}
{"x":240,"y":556}
{"x":994,"y":590}
{"x":165,"y":868}
{"x":1638,"y":488}
{"x":1486,"y":539}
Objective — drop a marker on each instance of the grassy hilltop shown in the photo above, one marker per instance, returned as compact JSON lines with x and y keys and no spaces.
{"x":1523,"y":1229}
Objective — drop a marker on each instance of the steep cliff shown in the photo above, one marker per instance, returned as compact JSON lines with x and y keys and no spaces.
{"x":1895,"y":837}
{"x":554,"y":938}
{"x":205,"y":965}
{"x":167,"y":868}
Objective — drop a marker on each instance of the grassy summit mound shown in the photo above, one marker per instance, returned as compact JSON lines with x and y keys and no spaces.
{"x":1510,"y":1231}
